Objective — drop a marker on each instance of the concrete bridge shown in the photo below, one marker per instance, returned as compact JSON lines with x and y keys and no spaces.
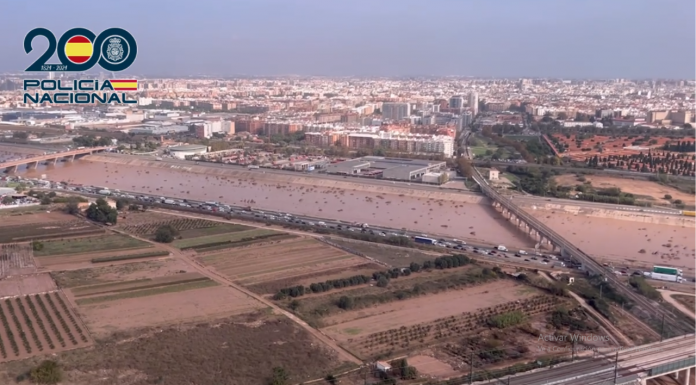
{"x":548,"y":238}
{"x":11,"y":166}
{"x":633,"y":366}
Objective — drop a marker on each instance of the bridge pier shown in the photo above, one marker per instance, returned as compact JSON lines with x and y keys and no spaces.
{"x":687,"y":375}
{"x":34,"y":164}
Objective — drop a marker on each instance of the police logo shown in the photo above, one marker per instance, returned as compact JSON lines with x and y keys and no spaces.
{"x":115,"y":50}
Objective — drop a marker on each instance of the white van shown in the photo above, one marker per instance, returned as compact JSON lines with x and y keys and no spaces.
{"x":502,"y":248}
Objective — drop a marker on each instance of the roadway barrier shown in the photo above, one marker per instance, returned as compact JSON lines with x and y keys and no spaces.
{"x":689,"y":213}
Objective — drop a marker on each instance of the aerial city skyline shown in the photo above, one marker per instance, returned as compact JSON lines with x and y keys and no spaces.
{"x":384,"y":192}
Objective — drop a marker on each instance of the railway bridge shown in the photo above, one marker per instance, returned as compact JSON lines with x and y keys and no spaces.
{"x":547,"y":237}
{"x":616,"y":366}
{"x":12,"y":165}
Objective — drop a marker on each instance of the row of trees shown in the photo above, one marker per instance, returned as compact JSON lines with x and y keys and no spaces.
{"x":680,"y":146}
{"x":647,"y":163}
{"x":381,"y":277}
{"x":613,"y":131}
{"x":91,"y":141}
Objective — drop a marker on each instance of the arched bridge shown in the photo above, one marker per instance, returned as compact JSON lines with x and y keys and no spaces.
{"x":34,"y":161}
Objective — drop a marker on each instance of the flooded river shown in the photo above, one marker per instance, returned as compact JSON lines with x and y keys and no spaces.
{"x":475,"y":222}
{"x":434,"y":213}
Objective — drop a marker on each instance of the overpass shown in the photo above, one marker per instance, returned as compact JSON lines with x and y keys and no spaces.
{"x":34,"y":161}
{"x":632,"y":366}
{"x":547,"y":237}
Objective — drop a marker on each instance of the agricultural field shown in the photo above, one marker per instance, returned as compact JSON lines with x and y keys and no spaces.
{"x":242,"y":349}
{"x":16,"y":259}
{"x":204,"y":243}
{"x":37,"y":325}
{"x":187,"y":227}
{"x":449,"y":332}
{"x":280,"y":261}
{"x":391,"y":255}
{"x":148,"y":293}
{"x":357,"y":329}
{"x":110,"y":242}
{"x":19,"y":285}
{"x":50,"y":230}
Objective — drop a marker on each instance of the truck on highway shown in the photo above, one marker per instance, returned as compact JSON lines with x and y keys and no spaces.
{"x":502,"y":248}
{"x":667,"y":270}
{"x":104,"y":192}
{"x":664,"y":277}
{"x":169,"y":201}
{"x":424,"y":240}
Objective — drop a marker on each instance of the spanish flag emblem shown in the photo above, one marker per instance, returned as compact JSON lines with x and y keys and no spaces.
{"x":78,"y":49}
{"x":124,"y":85}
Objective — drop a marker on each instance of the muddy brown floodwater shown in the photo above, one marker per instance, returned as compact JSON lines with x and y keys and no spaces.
{"x":644,"y":243}
{"x":474,"y":222}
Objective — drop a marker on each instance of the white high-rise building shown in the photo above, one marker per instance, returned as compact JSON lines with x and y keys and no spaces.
{"x":473,"y":102}
{"x":465,"y":120}
{"x":395,"y":111}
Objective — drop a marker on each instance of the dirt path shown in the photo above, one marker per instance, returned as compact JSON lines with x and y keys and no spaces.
{"x":188,"y":258}
{"x":667,"y":295}
{"x":604,"y":323}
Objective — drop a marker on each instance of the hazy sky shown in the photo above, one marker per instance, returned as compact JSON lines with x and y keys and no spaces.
{"x":498,"y":38}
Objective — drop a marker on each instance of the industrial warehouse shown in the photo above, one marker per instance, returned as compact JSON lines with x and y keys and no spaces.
{"x":390,"y":168}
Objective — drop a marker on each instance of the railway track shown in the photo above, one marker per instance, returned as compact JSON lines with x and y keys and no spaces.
{"x":653,"y":309}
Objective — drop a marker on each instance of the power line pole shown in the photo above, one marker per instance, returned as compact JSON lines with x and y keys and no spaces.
{"x":616,"y":367}
{"x":471,"y":369}
{"x":662,"y":328}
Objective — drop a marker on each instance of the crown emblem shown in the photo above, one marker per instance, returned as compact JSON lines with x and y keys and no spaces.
{"x":115,"y":40}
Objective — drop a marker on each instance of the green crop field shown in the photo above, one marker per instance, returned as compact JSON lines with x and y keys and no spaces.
{"x":89,"y":244}
{"x":230,"y":237}
{"x":199,"y":284}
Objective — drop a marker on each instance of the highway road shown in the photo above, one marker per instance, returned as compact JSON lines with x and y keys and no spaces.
{"x":650,"y":308}
{"x":447,"y":244}
{"x":489,"y":251}
{"x":633,"y":363}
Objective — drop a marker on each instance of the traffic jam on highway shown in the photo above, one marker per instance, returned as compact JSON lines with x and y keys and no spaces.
{"x":495,"y":252}
{"x":498,"y":252}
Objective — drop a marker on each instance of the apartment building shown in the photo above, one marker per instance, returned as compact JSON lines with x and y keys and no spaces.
{"x":395,"y":111}
{"x":280,"y":128}
{"x":396,"y":142}
{"x":252,"y":126}
{"x":670,"y":117}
